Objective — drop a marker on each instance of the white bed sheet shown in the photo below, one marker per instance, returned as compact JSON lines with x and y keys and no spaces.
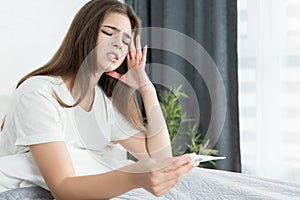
{"x":211,"y":184}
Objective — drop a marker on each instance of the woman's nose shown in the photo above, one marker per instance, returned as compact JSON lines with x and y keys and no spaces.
{"x":117,"y":41}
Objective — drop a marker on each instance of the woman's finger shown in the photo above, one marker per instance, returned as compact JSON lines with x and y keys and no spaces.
{"x":171,"y":183}
{"x":132,"y":51}
{"x":168,"y":176}
{"x":171,"y":178}
{"x":129,"y":65}
{"x":143,"y":59}
{"x":181,"y":160}
{"x":165,"y":187}
{"x":177,"y":173}
{"x":138,"y":48}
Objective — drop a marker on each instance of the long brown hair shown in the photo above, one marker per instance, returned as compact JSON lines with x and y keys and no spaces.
{"x":78,"y":43}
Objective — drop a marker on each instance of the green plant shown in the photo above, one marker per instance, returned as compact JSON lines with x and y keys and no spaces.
{"x":184,"y":133}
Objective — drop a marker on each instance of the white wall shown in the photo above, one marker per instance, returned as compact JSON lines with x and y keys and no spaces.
{"x":31,"y":31}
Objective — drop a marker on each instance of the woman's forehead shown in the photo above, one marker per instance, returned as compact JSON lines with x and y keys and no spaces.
{"x":119,"y":21}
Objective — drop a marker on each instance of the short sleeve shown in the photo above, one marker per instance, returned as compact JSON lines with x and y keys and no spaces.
{"x":121,"y":129}
{"x":37,"y":119}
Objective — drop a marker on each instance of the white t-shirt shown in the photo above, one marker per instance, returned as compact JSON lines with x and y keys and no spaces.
{"x":36,"y":117}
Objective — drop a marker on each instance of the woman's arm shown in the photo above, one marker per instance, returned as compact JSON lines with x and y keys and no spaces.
{"x":56,"y":167}
{"x":155,"y":141}
{"x":157,"y":135}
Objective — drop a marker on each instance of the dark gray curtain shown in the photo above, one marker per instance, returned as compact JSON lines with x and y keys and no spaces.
{"x":213,"y":24}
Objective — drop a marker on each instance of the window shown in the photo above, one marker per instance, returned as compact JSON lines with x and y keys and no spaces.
{"x":269,"y":87}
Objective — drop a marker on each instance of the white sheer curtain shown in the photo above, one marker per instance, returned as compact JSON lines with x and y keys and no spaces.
{"x":269,"y":87}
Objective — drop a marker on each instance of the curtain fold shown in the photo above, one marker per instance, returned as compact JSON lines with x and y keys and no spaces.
{"x":213,"y":25}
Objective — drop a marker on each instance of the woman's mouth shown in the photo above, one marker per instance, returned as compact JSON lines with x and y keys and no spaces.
{"x":113,"y":57}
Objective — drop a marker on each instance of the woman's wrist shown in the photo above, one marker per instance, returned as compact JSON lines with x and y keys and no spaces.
{"x":132,"y":180}
{"x":147,"y":88}
{"x":133,"y":173}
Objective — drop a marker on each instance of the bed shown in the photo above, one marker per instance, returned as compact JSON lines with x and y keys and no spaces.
{"x":215,"y":184}
{"x":36,"y":193}
{"x":197,"y":185}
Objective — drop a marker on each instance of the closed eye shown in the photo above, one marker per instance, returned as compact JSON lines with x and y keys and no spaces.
{"x":125,"y":43}
{"x":110,"y":34}
{"x":106,"y":33}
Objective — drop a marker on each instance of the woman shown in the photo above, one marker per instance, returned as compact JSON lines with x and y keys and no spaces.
{"x":67,"y":116}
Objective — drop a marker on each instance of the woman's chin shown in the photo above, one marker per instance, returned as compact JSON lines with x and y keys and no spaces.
{"x":111,"y":68}
{"x":108,"y":67}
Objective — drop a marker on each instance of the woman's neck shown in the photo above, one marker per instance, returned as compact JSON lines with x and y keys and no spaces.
{"x":87,"y":102}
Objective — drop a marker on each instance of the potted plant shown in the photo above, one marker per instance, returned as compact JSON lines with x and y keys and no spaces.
{"x":184,"y":133}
